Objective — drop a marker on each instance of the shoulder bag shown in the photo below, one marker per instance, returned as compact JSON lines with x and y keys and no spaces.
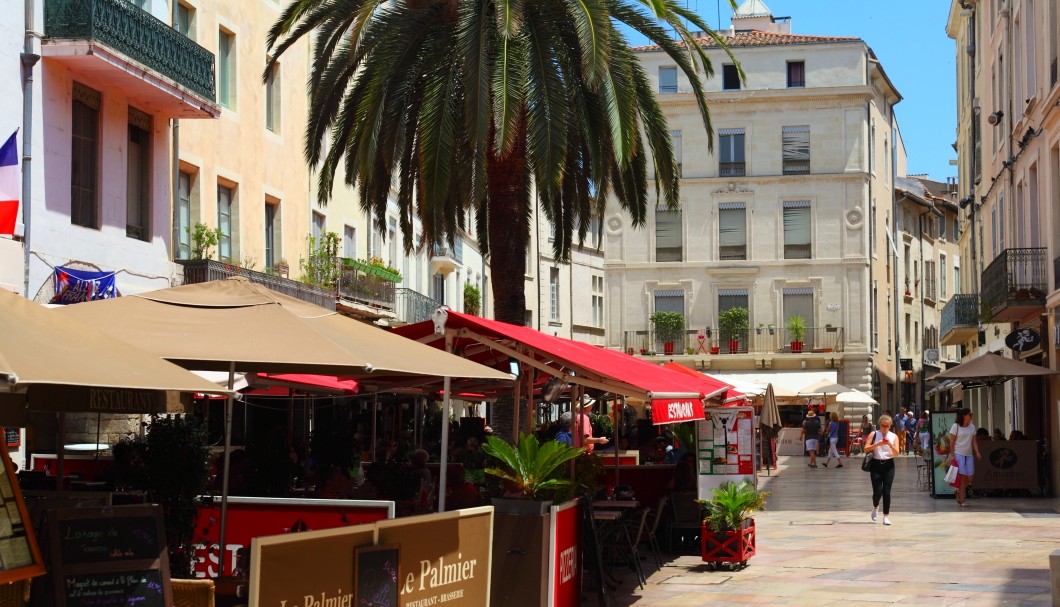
{"x":866,"y":462}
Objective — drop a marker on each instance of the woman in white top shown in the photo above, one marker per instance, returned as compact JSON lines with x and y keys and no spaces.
{"x":883,"y":445}
{"x":963,"y":446}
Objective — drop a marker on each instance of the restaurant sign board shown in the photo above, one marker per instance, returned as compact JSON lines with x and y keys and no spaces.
{"x":564,"y":555}
{"x":441,"y":558}
{"x":48,"y":397}
{"x":1007,"y":465}
{"x":675,"y":410}
{"x":725,"y":447}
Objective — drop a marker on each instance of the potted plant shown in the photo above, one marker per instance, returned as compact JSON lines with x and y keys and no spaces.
{"x":203,"y":240}
{"x":733,"y":323}
{"x":529,"y":471}
{"x":772,"y":329}
{"x":715,"y":349}
{"x":472,"y":299}
{"x":281,"y":268}
{"x":728,"y":531}
{"x":797,"y":328}
{"x":758,"y":329}
{"x":668,"y":327}
{"x":690,"y":350}
{"x":828,"y":327}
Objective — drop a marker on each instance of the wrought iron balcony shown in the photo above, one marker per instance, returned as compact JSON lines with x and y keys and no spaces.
{"x":445,"y":259}
{"x":204,"y":270}
{"x":1014,"y":284}
{"x":413,"y":306}
{"x":122,"y":43}
{"x":366,"y":289}
{"x":775,"y":340}
{"x":960,"y":319}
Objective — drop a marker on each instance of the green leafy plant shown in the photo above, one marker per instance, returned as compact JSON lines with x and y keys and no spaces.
{"x":732,"y":504}
{"x":668,"y":325}
{"x":685,"y":435}
{"x":203,"y":240}
{"x":472,"y":299}
{"x":321,"y":268}
{"x":178,"y":470}
{"x":797,"y":327}
{"x":733,"y":323}
{"x":530,"y":466}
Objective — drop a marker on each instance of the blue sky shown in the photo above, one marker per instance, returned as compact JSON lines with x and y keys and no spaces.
{"x":909,"y":38}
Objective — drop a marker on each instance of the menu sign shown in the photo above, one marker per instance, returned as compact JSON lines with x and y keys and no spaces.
{"x":103,"y":557}
{"x":726,"y":447}
{"x":20,"y":558}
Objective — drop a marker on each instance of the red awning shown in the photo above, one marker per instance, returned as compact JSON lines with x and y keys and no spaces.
{"x":673,"y":410}
{"x":328,"y":384}
{"x":492,"y":342}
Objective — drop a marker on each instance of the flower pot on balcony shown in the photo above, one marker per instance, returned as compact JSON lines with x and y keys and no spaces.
{"x":629,"y":351}
{"x":715,"y":349}
{"x":796,"y":347}
{"x":668,"y":348}
{"x":734,"y":346}
{"x":643,"y":351}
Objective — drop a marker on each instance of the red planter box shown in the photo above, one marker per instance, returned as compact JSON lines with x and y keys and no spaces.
{"x":728,"y":546}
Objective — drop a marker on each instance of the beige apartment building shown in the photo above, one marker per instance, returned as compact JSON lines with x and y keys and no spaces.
{"x":1008,"y":139}
{"x":787,"y":216}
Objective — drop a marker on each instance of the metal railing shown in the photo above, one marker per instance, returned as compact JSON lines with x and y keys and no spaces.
{"x":456,"y":251}
{"x":1015,"y":275}
{"x":961,"y":310}
{"x":360,"y":287}
{"x":796,"y":168}
{"x":138,"y":35}
{"x":798,"y":251}
{"x":204,"y":270}
{"x":732,"y":252}
{"x":732,"y":169}
{"x":775,"y":340}
{"x":412,"y":306}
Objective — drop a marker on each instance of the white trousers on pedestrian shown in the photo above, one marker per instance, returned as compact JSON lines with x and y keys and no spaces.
{"x":832,"y":451}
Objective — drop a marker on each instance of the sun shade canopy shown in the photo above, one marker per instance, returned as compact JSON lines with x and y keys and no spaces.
{"x":990,"y":369}
{"x":674,"y":397}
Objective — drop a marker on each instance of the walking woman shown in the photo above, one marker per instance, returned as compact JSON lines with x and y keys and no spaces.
{"x":883,"y":444}
{"x":833,"y":440}
{"x":962,"y":437}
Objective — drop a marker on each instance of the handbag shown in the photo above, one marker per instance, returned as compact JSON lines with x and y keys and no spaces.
{"x":951,"y":474}
{"x":866,"y":462}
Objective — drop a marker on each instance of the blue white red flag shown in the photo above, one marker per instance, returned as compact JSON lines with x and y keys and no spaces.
{"x":9,"y":185}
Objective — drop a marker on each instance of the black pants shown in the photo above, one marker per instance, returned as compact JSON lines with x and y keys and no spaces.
{"x":882,"y":475}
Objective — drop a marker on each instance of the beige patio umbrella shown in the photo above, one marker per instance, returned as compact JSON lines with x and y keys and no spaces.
{"x":770,"y":422}
{"x":824,"y":386}
{"x":236,"y":325}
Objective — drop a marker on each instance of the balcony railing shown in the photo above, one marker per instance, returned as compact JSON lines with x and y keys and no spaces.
{"x":412,"y":306}
{"x":1014,"y":283}
{"x":732,"y":169}
{"x":368,"y":289}
{"x":797,"y":251}
{"x":758,"y":340}
{"x":732,"y":252}
{"x":204,"y":270}
{"x":960,"y":319}
{"x":138,"y":35}
{"x":455,"y":252}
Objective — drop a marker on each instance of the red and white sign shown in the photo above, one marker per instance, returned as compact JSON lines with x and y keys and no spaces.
{"x":251,"y":517}
{"x":675,"y":410}
{"x":565,"y":556}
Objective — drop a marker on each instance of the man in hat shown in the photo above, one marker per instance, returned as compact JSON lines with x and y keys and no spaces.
{"x":811,"y":429}
{"x":584,"y":436}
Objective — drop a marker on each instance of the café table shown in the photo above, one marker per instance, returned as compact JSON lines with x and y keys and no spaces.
{"x":614,"y":530}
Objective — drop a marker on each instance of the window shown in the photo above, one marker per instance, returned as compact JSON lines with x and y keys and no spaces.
{"x":942,"y":276}
{"x":730,"y":77}
{"x":667,"y":234}
{"x":942,"y":227}
{"x":226,"y":67}
{"x":667,"y":79}
{"x":553,"y":294}
{"x":796,"y":74}
{"x":438,"y":288}
{"x":272,"y":99}
{"x":731,"y":142}
{"x":391,"y":234}
{"x":319,"y":221}
{"x":272,"y":232}
{"x":349,"y":242}
{"x":799,"y":302}
{"x":598,"y":301}
{"x":182,"y":217}
{"x":732,"y":298}
{"x":797,"y":230}
{"x":225,"y":208}
{"x":732,"y":231}
{"x":796,"y":150}
{"x":84,"y":153}
{"x":184,"y":21}
{"x":956,"y":279}
{"x":138,"y":177}
{"x":670,"y":301}
{"x":675,"y":138}
{"x":140,"y":4}
{"x":872,"y":148}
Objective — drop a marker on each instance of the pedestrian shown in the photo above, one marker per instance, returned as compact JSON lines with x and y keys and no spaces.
{"x":811,"y":429}
{"x":883,"y":444}
{"x":866,"y":427}
{"x":910,"y":429}
{"x":998,"y":434}
{"x":923,"y":429}
{"x":564,"y":436}
{"x":899,"y":428}
{"x":584,"y":426}
{"x":833,"y":440}
{"x":964,"y":447}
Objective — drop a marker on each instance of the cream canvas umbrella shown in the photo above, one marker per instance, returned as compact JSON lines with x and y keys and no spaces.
{"x":988,"y":371}
{"x":855,"y":397}
{"x":236,"y":325}
{"x":770,"y":422}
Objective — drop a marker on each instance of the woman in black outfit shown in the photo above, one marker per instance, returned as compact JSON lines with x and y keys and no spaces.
{"x":883,"y":445}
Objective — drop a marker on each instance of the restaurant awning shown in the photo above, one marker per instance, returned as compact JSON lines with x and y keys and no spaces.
{"x":674,"y":397}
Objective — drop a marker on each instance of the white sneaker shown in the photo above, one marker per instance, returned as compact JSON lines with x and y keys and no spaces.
{"x":875,"y":511}
{"x":886,"y":521}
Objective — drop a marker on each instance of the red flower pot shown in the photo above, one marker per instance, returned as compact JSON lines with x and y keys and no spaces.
{"x":715,"y":349}
{"x":734,"y":346}
{"x":796,"y":347}
{"x":668,"y":348}
{"x":728,"y":546}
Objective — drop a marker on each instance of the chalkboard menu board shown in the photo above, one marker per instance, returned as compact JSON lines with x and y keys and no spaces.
{"x":376,"y":576}
{"x":20,"y":557}
{"x":103,"y":557}
{"x":13,"y":437}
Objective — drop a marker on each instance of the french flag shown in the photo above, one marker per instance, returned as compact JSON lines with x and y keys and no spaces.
{"x":9,"y":185}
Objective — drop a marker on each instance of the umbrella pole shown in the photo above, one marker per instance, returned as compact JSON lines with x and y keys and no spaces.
{"x":375,"y":415}
{"x":443,"y":468}
{"x":226,"y":471}
{"x":96,"y":470}
{"x":618,"y":434}
{"x":990,"y":406}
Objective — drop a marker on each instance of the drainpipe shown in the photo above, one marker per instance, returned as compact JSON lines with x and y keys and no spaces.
{"x":175,"y":190}
{"x":29,"y":58}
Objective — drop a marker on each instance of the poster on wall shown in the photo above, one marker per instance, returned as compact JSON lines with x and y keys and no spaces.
{"x":725,"y":447}
{"x":940,"y":452}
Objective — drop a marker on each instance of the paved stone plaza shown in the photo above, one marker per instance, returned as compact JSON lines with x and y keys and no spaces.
{"x":817,"y":546}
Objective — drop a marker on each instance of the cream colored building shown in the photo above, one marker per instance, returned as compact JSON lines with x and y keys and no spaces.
{"x":785,"y":217}
{"x":1008,"y":136}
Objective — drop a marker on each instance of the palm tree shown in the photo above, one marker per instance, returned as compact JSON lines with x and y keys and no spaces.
{"x":468,"y":110}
